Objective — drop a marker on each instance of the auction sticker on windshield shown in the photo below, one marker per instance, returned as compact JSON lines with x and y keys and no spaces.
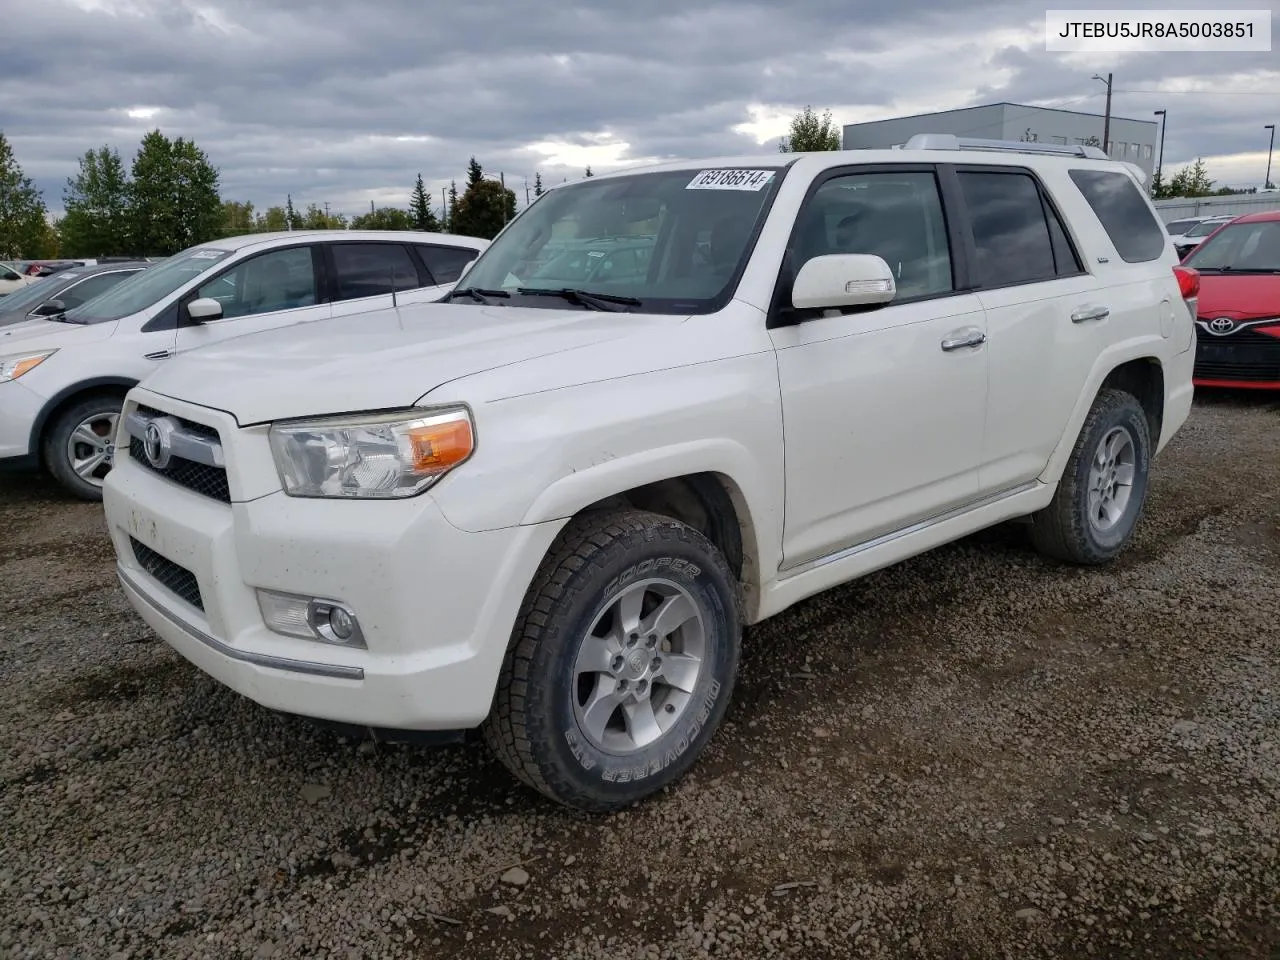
{"x":731,"y":180}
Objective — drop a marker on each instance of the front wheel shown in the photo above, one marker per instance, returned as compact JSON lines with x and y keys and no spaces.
{"x":1103,"y":488}
{"x":78,"y":446}
{"x":622,"y":663}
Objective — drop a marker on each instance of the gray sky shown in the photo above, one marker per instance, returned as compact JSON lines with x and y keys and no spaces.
{"x":345,"y":101}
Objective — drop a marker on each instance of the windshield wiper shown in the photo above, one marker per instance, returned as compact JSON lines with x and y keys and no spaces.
{"x":63,"y":318}
{"x":583,"y":298}
{"x":477,"y":293}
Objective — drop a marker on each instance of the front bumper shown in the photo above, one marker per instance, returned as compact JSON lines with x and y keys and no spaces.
{"x":19,"y":408}
{"x":436,"y":604}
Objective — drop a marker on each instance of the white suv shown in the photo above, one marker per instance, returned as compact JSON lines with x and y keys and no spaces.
{"x":548,"y":510}
{"x":63,"y":378}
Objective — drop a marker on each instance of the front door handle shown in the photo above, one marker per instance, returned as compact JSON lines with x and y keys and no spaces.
{"x":964,"y":338}
{"x":1084,"y":314}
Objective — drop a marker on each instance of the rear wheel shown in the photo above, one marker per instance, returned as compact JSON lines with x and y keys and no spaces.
{"x":622,"y":664}
{"x":78,"y":444}
{"x":1103,"y":488}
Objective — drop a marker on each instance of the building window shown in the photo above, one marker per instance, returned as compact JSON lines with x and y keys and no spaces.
{"x":1146,"y":151}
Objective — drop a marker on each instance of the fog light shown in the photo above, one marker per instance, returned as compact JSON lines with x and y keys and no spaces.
{"x":310,"y":618}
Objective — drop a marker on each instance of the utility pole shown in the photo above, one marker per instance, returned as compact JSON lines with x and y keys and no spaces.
{"x":1106,"y":121}
{"x":1266,"y":184}
{"x":1164,"y":121}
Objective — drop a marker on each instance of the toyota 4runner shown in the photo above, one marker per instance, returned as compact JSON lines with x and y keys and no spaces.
{"x":548,"y":512}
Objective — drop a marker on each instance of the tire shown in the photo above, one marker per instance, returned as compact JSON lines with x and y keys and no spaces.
{"x":1074,"y":527}
{"x":97,"y":415}
{"x":550,"y":710}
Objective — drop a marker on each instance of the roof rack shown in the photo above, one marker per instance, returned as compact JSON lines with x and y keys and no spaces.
{"x":949,"y":141}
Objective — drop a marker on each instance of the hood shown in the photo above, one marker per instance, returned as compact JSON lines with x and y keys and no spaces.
{"x":1241,"y":296}
{"x":41,"y":333}
{"x":384,"y":359}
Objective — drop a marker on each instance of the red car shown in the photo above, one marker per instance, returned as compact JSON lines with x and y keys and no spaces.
{"x":1238,"y":317}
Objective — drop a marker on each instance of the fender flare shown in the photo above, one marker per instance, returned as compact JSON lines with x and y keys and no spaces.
{"x":1119,"y":354}
{"x":758,"y":518}
{"x":84,"y":386}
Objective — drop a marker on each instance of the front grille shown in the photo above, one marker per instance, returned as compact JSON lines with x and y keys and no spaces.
{"x":174,"y":577}
{"x":203,"y":479}
{"x":1247,"y":356}
{"x":206,"y":480}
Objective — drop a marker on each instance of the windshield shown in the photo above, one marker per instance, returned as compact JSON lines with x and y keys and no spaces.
{"x":147,"y":287}
{"x":1246,"y":247}
{"x":1179,"y":227}
{"x":1206,"y":228}
{"x":669,"y":242}
{"x":32,"y":295}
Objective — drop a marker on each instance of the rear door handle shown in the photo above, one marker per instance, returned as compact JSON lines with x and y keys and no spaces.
{"x":960,"y":339}
{"x":1084,"y":314}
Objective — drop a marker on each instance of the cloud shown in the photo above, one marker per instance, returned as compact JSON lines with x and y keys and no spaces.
{"x":344,"y":102}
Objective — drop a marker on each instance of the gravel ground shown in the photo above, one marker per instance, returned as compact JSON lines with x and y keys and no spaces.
{"x":976,"y":753}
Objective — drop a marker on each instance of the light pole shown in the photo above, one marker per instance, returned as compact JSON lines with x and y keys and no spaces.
{"x":1164,"y":120}
{"x":1266,"y":184}
{"x":1106,"y":121}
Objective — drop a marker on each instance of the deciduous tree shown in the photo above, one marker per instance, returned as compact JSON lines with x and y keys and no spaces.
{"x":96,"y":201}
{"x":24,"y":231}
{"x":173,"y":198}
{"x":383,"y":218}
{"x":811,"y":132}
{"x":484,"y":209}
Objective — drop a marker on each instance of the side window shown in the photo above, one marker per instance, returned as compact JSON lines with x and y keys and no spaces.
{"x":446,"y":263}
{"x":275,"y":280}
{"x":90,"y":287}
{"x":1010,"y":232}
{"x":896,"y":216}
{"x":1123,"y":212}
{"x":1064,"y":255}
{"x":371,"y":269}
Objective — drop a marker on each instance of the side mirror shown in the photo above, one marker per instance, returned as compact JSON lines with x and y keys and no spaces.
{"x":206,"y":308}
{"x":50,"y":308}
{"x":843,"y":280}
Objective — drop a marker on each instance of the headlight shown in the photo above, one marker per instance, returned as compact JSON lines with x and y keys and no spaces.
{"x":379,"y":456}
{"x":12,"y":367}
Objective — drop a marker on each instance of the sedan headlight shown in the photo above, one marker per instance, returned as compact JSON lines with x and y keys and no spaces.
{"x":14,"y":366}
{"x":378,"y":456}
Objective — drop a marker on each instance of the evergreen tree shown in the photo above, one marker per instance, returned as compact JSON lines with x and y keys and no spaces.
{"x":451,"y":215}
{"x":293,"y":221}
{"x":474,"y":173}
{"x":537,"y":184}
{"x":589,"y":173}
{"x":424,"y":217}
{"x":24,"y":231}
{"x":97,"y":207}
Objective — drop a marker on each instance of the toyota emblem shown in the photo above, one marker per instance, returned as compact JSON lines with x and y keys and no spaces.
{"x":157,"y":443}
{"x":1222,"y":325}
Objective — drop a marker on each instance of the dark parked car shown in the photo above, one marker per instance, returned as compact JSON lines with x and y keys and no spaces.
{"x":62,"y":291}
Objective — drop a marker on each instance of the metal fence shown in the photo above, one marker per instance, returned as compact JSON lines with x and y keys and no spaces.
{"x":1234,"y":205}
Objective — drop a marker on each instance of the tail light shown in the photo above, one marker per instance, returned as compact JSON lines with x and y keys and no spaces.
{"x":1188,"y":282}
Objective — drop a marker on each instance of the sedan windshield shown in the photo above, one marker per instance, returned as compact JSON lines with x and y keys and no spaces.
{"x":147,"y":287}
{"x":32,"y":295}
{"x":1205,"y":228}
{"x":1240,"y":247}
{"x":668,"y":242}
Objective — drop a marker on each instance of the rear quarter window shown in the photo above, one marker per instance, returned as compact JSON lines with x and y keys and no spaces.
{"x":1123,"y":212}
